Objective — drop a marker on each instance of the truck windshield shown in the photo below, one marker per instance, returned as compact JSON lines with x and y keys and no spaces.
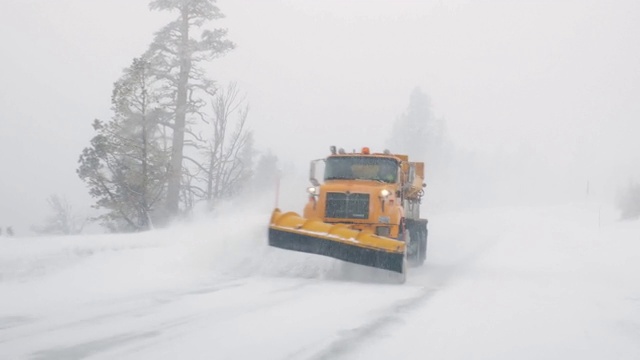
{"x":361,"y":168}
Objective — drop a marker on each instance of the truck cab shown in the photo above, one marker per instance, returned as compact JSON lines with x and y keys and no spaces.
{"x":361,"y":190}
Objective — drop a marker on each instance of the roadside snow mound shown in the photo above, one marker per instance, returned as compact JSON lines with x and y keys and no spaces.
{"x":232,"y":244}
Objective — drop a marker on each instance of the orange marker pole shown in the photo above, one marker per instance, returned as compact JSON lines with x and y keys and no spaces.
{"x":277,"y":190}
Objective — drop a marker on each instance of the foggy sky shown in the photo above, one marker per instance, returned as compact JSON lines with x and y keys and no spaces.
{"x":556,"y":81}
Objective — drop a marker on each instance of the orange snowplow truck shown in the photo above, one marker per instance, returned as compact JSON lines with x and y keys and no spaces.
{"x":364,"y":209}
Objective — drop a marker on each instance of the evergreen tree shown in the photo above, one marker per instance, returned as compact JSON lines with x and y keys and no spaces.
{"x":177,"y":53}
{"x":628,"y":201}
{"x":125,"y":165}
{"x":267,"y":172}
{"x":419,"y":134}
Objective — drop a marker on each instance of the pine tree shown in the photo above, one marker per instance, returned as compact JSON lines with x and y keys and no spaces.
{"x":419,"y":134}
{"x":125,"y":166}
{"x":628,"y":201}
{"x":177,"y":53}
{"x":410,"y":131}
{"x":267,"y":172}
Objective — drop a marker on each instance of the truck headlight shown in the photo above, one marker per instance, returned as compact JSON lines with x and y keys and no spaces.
{"x":384,"y":193}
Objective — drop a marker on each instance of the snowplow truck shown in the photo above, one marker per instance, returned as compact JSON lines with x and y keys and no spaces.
{"x":363,"y":209}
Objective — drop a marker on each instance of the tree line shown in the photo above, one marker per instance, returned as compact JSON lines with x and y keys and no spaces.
{"x":176,"y":138}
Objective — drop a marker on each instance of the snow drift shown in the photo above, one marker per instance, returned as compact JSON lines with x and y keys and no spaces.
{"x":500,"y":283}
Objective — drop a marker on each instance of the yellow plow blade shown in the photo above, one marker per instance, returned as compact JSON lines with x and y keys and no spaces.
{"x":292,"y":232}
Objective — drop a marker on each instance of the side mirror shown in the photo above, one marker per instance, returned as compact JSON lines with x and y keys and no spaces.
{"x":312,"y":171}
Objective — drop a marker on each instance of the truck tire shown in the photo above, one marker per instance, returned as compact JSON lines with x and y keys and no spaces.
{"x":424,"y":233}
{"x":418,"y":242}
{"x":413,"y":243}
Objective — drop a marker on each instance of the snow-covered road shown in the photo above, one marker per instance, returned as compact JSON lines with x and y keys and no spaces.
{"x":528,"y":283}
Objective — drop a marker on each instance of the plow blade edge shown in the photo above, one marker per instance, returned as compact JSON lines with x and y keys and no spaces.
{"x":293,"y":232}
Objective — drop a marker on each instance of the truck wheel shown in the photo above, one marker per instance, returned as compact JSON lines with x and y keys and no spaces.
{"x":414,"y":245}
{"x":419,"y":237}
{"x":423,"y":243}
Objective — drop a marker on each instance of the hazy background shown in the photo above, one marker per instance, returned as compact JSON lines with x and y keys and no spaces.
{"x":539,"y":97}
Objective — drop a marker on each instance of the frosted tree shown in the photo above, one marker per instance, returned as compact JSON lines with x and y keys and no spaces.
{"x":267,"y":172}
{"x":628,"y":201}
{"x":126,"y":166}
{"x":178,"y":54}
{"x":419,"y":134}
{"x":228,"y":152}
{"x":230,"y":149}
{"x":62,"y":220}
{"x":417,"y":129}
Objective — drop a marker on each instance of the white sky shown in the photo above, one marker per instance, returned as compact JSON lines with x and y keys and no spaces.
{"x":559,"y":77}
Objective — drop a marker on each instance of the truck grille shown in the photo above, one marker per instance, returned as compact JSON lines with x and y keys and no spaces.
{"x":347,"y":206}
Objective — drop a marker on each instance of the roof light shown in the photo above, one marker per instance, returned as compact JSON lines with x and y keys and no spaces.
{"x":365,"y":150}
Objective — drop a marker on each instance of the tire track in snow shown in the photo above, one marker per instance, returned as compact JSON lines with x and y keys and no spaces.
{"x":86,"y":349}
{"x":351,"y":339}
{"x":147,"y":306}
{"x":443,"y":275}
{"x":128,"y":307}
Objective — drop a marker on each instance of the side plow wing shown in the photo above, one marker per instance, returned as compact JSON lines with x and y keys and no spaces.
{"x":293,"y":232}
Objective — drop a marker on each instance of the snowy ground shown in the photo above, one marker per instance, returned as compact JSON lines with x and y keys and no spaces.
{"x":558,"y":282}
